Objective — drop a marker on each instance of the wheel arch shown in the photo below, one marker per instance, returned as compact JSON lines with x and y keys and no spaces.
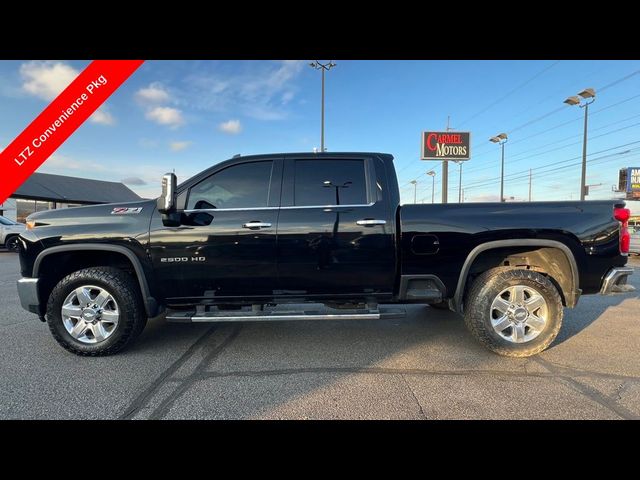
{"x":150,"y":303}
{"x":545,"y":250}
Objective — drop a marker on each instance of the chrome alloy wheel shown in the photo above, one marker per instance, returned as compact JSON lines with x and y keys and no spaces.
{"x":519,"y":314}
{"x":90,"y":314}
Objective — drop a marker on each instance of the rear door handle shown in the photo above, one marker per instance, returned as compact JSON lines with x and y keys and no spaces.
{"x":256,"y":225}
{"x":368,"y":222}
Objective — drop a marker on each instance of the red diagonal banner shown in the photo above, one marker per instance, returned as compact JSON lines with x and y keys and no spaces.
{"x":60,"y":119}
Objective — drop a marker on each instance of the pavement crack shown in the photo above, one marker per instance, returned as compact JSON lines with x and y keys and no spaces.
{"x":413,"y":394}
{"x":589,"y":392}
{"x":141,"y":400}
{"x":167,"y":403}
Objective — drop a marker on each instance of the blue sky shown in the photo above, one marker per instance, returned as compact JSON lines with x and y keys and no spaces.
{"x":189,"y":115}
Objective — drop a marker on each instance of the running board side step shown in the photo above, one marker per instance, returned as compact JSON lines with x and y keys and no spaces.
{"x":281,"y":315}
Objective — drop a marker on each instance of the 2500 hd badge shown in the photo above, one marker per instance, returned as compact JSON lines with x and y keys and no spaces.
{"x":182,"y":259}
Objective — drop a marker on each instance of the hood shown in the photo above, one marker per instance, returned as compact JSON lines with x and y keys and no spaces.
{"x":106,"y":212}
{"x":107,"y":221}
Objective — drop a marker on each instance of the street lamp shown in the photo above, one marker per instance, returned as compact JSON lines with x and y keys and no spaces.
{"x":329,"y":184}
{"x":432,"y":174}
{"x":415,"y":190}
{"x":501,"y":139}
{"x":459,"y":162}
{"x":586,"y":94}
{"x":323,"y":67}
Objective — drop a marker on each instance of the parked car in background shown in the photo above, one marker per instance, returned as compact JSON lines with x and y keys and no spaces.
{"x":634,"y":246}
{"x":9,"y":232}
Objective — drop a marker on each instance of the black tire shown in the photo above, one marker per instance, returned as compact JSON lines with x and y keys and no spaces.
{"x":440,"y":305}
{"x":11,"y":243}
{"x":483,"y":291}
{"x":123,"y":288}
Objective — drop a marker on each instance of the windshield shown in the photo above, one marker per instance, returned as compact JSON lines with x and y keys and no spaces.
{"x":6,"y":221}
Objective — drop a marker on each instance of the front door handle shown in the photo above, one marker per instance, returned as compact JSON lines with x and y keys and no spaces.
{"x":369,"y":222}
{"x":255,"y":224}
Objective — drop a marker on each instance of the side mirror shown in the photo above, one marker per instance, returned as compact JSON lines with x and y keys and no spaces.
{"x":167,"y":200}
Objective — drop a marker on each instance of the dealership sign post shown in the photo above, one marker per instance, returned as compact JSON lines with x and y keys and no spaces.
{"x":445,"y":146}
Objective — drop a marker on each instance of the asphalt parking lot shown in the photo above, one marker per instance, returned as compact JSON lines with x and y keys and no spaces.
{"x":425,"y":366}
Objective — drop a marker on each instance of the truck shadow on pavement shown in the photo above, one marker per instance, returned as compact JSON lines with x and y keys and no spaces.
{"x":331,"y":369}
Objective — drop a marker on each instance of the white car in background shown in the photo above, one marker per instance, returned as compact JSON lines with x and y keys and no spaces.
{"x":634,"y":246}
{"x":9,"y":231}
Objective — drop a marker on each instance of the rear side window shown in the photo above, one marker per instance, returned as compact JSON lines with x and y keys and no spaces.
{"x":329,"y":182}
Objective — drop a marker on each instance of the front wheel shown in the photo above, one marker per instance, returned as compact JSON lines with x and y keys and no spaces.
{"x":513,"y":312}
{"x":96,"y":311}
{"x":11,"y":243}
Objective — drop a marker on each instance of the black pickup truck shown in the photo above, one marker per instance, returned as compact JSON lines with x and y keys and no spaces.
{"x":239,"y":240}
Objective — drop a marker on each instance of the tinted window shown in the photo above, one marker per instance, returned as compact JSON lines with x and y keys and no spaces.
{"x":241,"y":186}
{"x":329,"y":182}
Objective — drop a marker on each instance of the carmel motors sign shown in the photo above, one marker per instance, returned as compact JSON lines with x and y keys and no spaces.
{"x":445,"y":146}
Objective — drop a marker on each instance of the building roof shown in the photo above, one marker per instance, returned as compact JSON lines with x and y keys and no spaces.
{"x":60,"y":188}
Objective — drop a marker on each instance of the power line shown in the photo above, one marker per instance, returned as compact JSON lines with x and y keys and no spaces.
{"x":492,"y":104}
{"x":512,"y":175}
{"x":556,"y":127}
{"x":511,"y":162}
{"x":535,"y":120}
{"x":523,"y":179}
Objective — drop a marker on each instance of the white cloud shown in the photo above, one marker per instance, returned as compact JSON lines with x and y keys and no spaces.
{"x":46,"y":79}
{"x":177,"y":146}
{"x":232,"y":127}
{"x":260,"y":90}
{"x":102,"y":117}
{"x":62,"y":162}
{"x":169,"y":116}
{"x":153,"y":94}
{"x":287,"y":97}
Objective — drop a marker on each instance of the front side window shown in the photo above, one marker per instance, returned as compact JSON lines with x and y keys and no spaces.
{"x":330,"y":182}
{"x":245,"y":185}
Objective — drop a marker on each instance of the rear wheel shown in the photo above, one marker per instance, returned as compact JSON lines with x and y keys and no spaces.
{"x":11,"y":243}
{"x":513,"y":312}
{"x":96,"y":311}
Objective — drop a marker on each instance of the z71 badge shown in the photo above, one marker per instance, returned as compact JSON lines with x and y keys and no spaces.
{"x":126,"y":211}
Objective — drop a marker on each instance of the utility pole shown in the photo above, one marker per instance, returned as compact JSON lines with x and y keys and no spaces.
{"x":415,"y":190}
{"x":445,"y":172}
{"x":323,"y":67}
{"x":529,"y":184}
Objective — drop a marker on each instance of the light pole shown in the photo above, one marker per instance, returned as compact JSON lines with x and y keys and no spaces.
{"x":459,"y":162}
{"x":415,"y":190}
{"x":329,"y":184}
{"x":501,"y":139}
{"x":324,"y":67}
{"x":432,"y":174}
{"x":586,"y":94}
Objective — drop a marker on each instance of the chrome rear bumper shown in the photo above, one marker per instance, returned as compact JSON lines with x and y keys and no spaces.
{"x":615,"y":281}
